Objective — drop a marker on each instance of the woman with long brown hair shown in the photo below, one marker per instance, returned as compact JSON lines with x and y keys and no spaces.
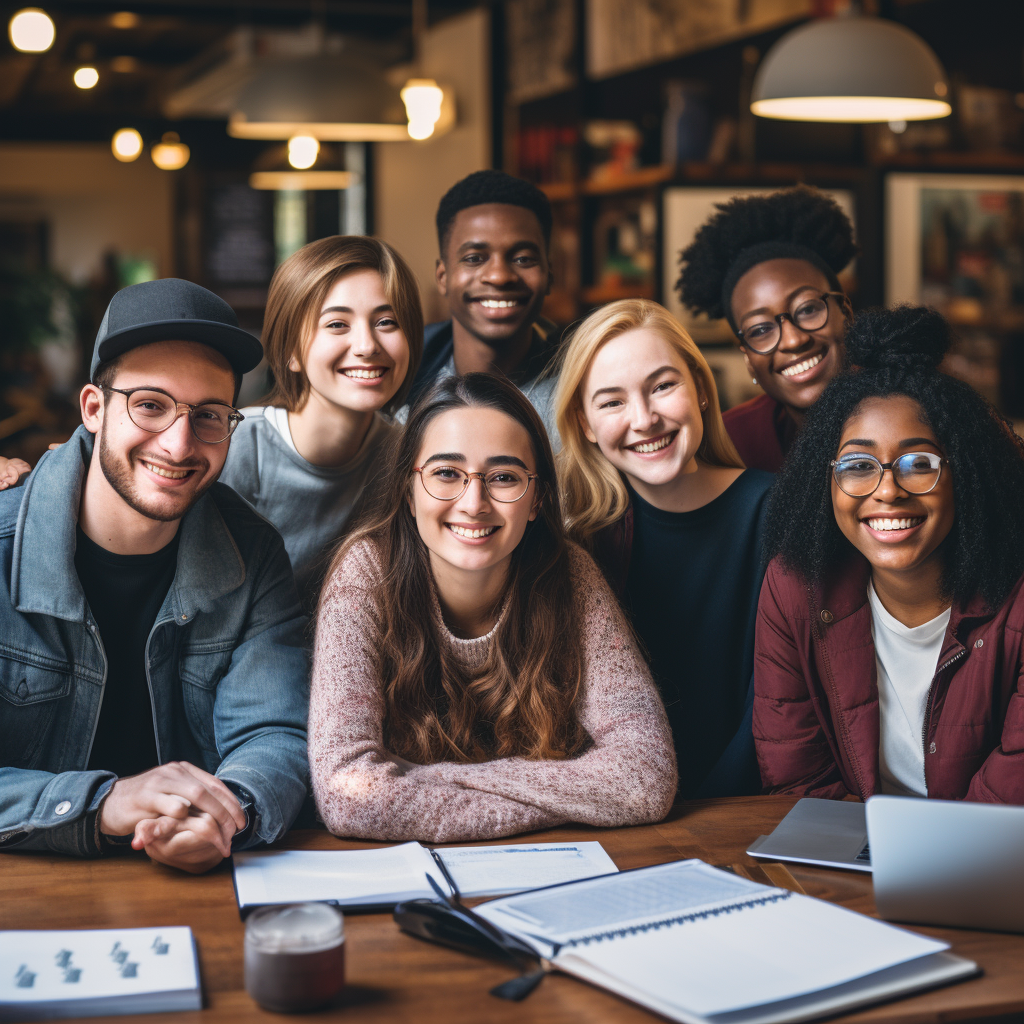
{"x":473,"y":676}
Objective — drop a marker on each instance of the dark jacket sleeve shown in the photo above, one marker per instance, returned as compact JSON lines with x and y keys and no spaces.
{"x":1001,"y":778}
{"x":792,"y":749}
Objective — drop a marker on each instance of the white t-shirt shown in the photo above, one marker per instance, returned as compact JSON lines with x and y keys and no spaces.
{"x":906,"y":658}
{"x":278,"y":419}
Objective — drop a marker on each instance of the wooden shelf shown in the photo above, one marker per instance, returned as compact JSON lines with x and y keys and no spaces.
{"x":992,"y":160}
{"x":599,"y":294}
{"x":645,"y":177}
{"x":648,"y":177}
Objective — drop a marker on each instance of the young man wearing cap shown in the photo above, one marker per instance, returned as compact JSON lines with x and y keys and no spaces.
{"x":153,"y":680}
{"x":494,"y":232}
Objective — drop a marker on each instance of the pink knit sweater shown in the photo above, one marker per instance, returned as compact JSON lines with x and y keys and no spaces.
{"x":626,"y":777}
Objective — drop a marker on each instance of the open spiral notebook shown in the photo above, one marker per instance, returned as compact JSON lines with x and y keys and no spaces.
{"x":698,"y":944}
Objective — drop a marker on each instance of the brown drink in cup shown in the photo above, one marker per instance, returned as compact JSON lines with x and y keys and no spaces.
{"x":294,"y":956}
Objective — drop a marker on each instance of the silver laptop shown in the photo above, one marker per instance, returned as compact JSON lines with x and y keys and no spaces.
{"x":948,"y":862}
{"x":828,"y":833}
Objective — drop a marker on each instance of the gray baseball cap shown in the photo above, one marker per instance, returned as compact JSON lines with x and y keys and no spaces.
{"x":173,"y":310}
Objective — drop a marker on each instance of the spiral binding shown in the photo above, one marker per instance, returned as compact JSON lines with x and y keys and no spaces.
{"x":667,"y":922}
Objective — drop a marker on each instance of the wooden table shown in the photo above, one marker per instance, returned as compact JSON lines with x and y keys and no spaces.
{"x":395,"y":978}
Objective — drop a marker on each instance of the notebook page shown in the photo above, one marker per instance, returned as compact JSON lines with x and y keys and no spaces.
{"x":47,"y":966}
{"x":491,"y":870}
{"x":624,"y":900}
{"x":762,"y":954}
{"x":348,"y":876}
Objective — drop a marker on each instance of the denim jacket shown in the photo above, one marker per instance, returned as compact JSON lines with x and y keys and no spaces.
{"x":226,"y":663}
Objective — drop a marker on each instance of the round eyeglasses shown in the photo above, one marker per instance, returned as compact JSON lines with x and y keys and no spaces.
{"x":809,"y":315}
{"x":446,"y":483}
{"x":154,"y":410}
{"x":859,"y":474}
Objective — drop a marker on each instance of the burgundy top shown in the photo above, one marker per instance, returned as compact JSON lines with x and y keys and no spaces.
{"x":816,"y":717}
{"x":762,"y":431}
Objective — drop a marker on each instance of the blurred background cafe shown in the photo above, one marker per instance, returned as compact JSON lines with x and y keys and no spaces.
{"x":209,"y":139}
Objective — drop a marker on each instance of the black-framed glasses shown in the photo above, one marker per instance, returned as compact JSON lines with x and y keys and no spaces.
{"x":446,"y":483}
{"x":154,"y":410}
{"x":808,"y":315}
{"x":859,"y":474}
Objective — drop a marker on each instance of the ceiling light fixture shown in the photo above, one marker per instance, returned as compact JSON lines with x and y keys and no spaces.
{"x":850,"y":69}
{"x":302,"y":151}
{"x":124,"y":19}
{"x":126,"y":145}
{"x":422,"y":98}
{"x":124,"y":65}
{"x":300,"y":181}
{"x":86,"y":77}
{"x":170,"y":153}
{"x":429,"y":109}
{"x":332,"y":98}
{"x":31,"y":30}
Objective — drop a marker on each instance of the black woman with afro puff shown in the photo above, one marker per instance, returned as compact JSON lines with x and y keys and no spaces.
{"x":769,"y":265}
{"x":889,"y":655}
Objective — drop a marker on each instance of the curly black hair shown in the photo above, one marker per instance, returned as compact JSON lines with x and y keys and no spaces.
{"x":491,"y":187}
{"x":897,"y":352}
{"x":795,"y":219}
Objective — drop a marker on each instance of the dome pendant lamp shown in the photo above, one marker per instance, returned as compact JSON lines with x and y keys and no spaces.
{"x":341,"y":98}
{"x":850,"y":68}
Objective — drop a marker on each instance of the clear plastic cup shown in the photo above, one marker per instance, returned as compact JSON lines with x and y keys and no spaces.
{"x":295,"y":956}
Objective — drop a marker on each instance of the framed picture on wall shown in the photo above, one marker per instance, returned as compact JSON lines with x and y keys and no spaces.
{"x":684,"y":209}
{"x":956,"y":242}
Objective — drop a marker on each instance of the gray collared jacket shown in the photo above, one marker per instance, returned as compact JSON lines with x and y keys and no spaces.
{"x":226,"y":663}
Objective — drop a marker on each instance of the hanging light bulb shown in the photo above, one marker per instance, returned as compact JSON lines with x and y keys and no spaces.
{"x":170,"y":153}
{"x":86,"y":78}
{"x":31,"y":30}
{"x":302,"y":151}
{"x":126,"y":145}
{"x":422,"y":98}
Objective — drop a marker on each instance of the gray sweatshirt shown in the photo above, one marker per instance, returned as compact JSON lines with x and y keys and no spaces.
{"x":310,"y":505}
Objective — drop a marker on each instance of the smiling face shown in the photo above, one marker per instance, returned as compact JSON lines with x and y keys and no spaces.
{"x":796,"y":373}
{"x":474,"y":532}
{"x":160,"y":475}
{"x":358,"y":356}
{"x":642,"y":408}
{"x":494,"y":272}
{"x":897,"y":532}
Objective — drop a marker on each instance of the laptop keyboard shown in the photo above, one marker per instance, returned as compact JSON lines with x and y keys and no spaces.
{"x":865,"y":855}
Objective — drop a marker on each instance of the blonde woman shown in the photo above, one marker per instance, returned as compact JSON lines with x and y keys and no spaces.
{"x":653,"y":486}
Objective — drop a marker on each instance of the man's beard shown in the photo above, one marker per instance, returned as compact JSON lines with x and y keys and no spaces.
{"x":121,"y":478}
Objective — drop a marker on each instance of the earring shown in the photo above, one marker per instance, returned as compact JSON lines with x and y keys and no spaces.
{"x":753,"y":380}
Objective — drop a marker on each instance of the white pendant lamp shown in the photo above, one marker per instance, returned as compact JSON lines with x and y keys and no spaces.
{"x":852,"y":69}
{"x":340,"y":98}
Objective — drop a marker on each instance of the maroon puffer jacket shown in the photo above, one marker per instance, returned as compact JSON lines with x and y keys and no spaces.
{"x":816,"y":695}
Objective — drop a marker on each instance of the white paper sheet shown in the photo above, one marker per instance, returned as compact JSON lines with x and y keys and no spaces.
{"x":394,"y":873}
{"x":625,"y":900}
{"x":759,"y":955}
{"x":49,"y":966}
{"x":358,"y":877}
{"x":492,"y":870}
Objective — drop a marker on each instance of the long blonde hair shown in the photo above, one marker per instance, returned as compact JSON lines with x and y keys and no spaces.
{"x":594,"y":493}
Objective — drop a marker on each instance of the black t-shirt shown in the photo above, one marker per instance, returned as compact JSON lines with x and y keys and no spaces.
{"x":692,"y":591}
{"x":125,"y":593}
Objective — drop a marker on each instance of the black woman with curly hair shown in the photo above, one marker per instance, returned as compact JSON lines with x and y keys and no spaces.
{"x":769,"y":265}
{"x":890,"y":638}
